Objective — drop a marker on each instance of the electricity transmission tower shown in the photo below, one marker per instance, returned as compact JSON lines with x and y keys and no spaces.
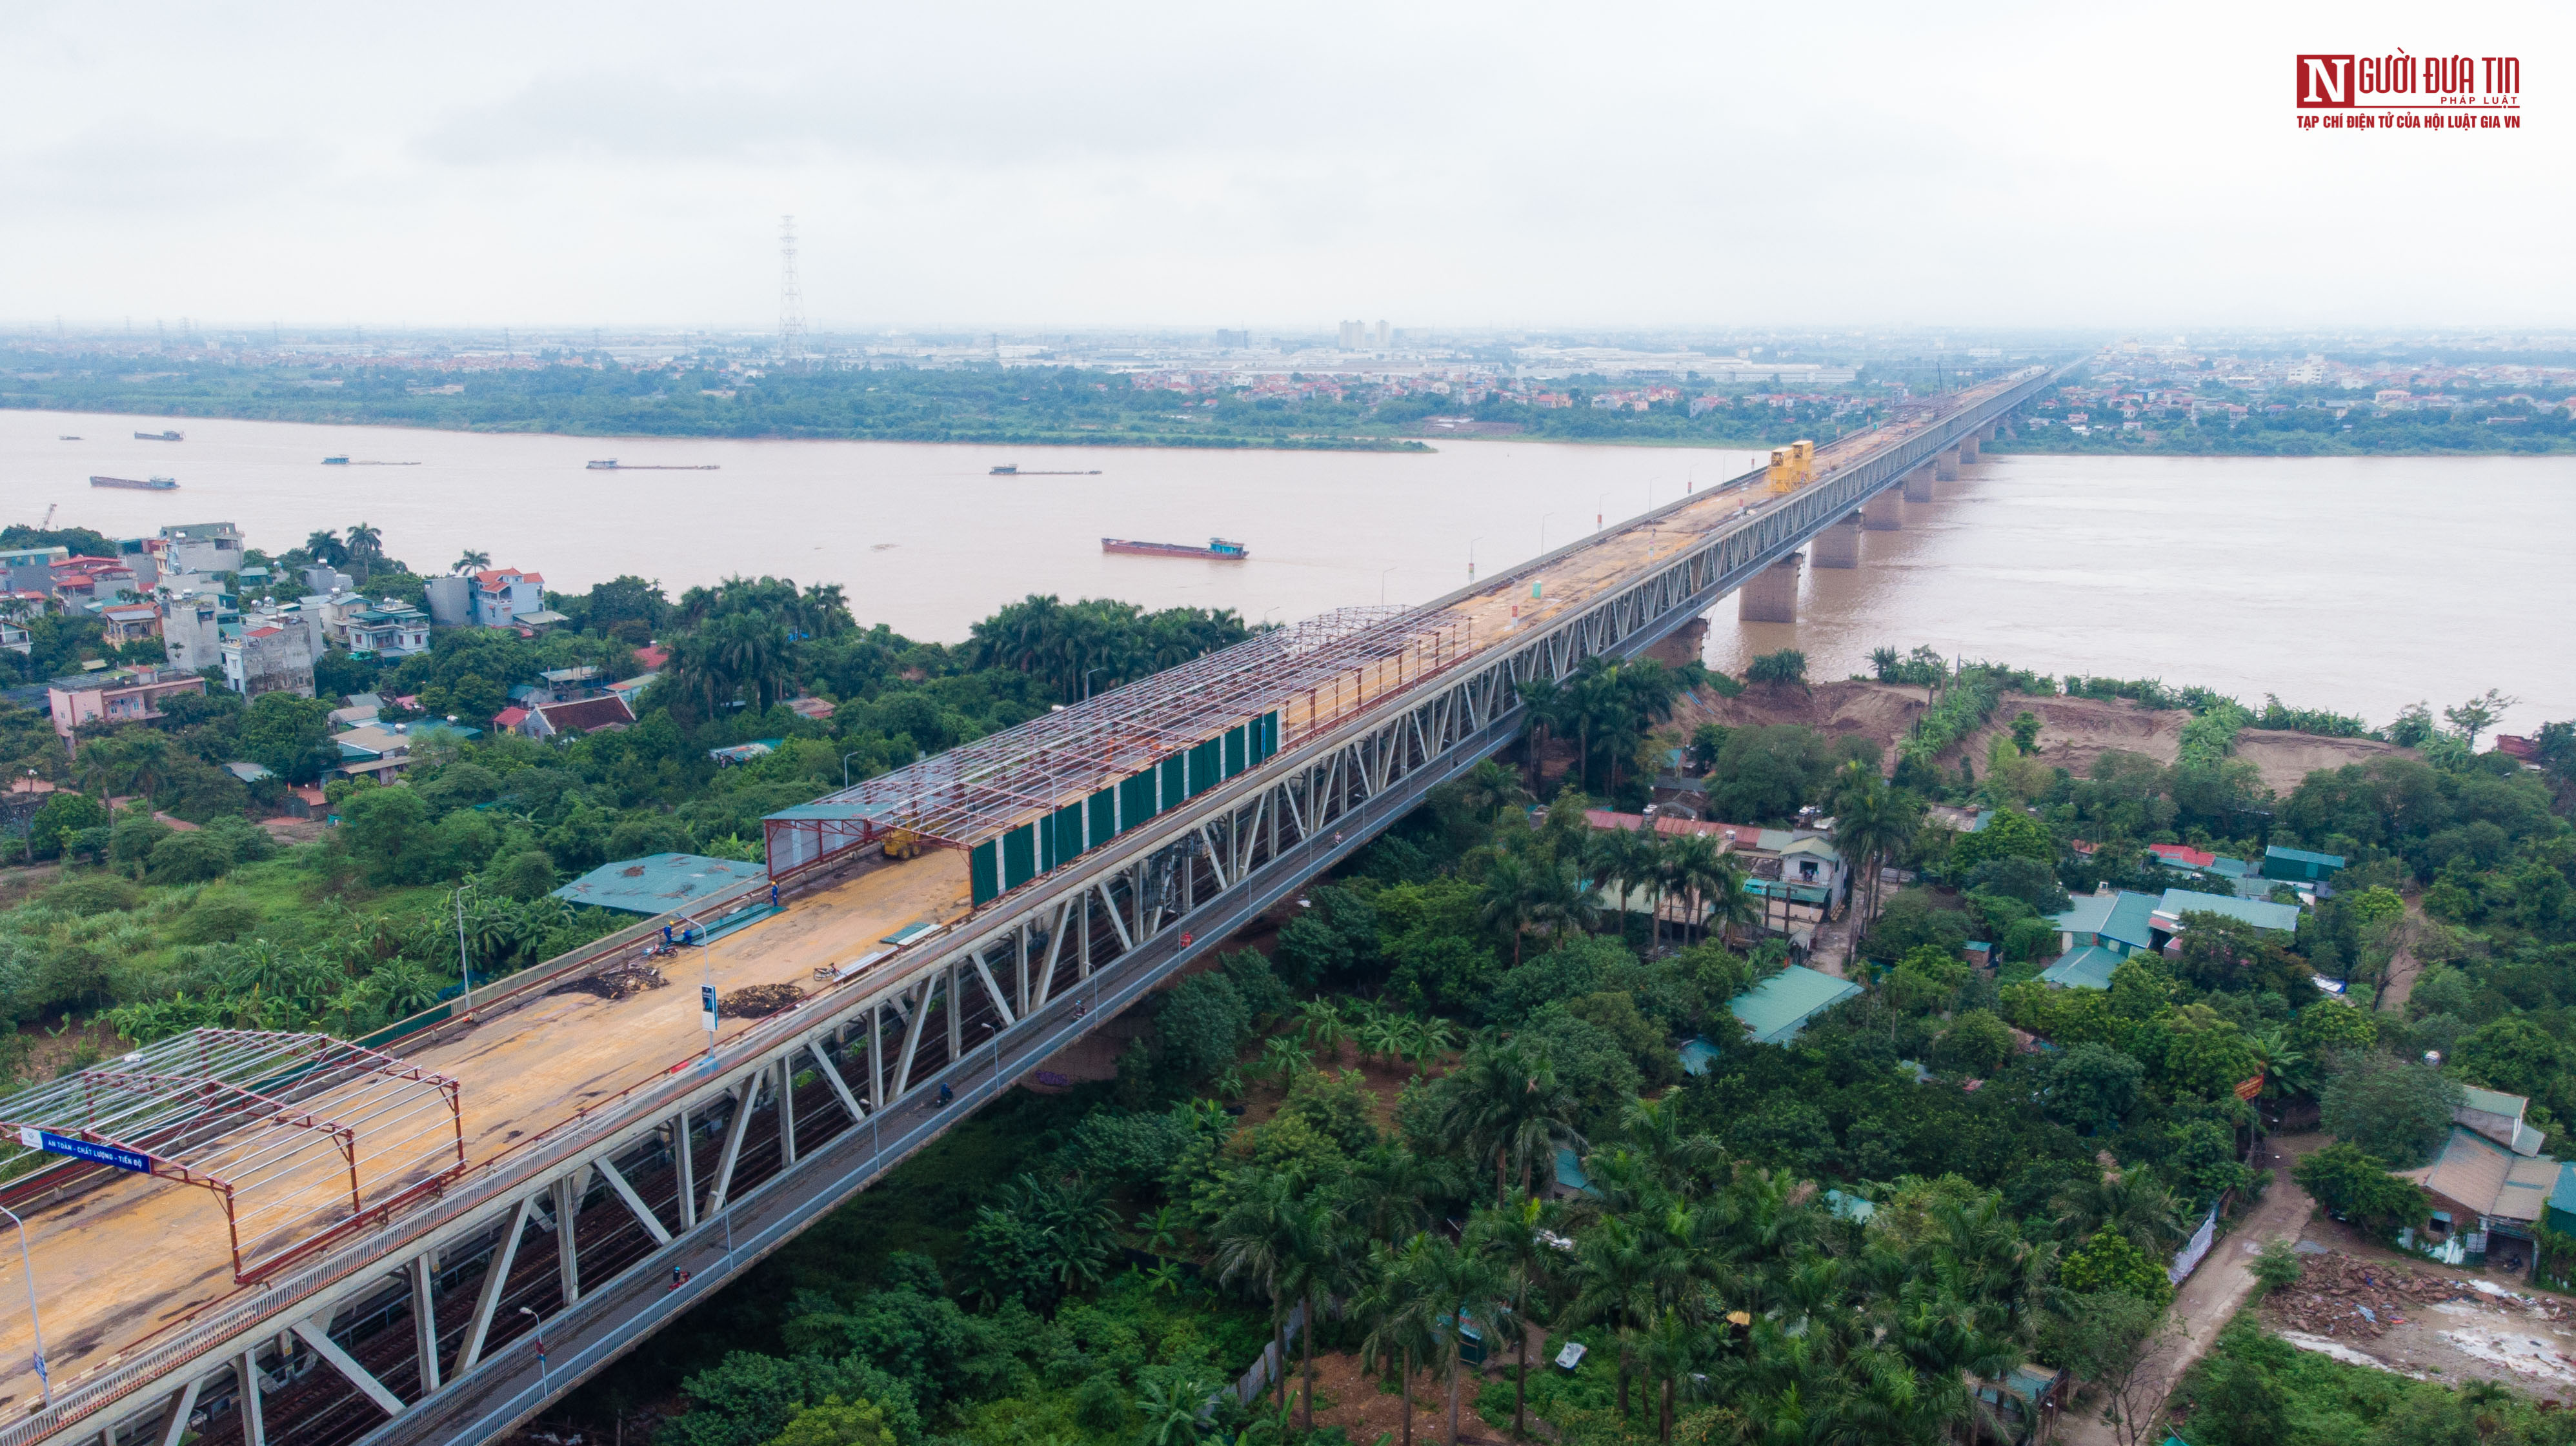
{"x":791,"y":296}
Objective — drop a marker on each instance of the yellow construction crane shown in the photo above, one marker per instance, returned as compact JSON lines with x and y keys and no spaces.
{"x":1793,"y":466}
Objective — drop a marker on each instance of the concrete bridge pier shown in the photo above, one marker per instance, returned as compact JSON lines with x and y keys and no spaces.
{"x":1946,"y":466}
{"x":1838,"y":545}
{"x":1771,"y":596}
{"x":1684,"y":644}
{"x":1968,"y":450}
{"x":1884,"y":512}
{"x":1918,"y":484}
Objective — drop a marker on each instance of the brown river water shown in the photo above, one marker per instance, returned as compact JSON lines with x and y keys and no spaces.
{"x":2358,"y":584}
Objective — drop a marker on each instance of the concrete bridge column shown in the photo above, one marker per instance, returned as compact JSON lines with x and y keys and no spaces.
{"x":1946,"y":466}
{"x":1918,"y":484}
{"x":1968,"y":450}
{"x":1683,"y":644}
{"x":1771,"y":596}
{"x":1884,"y":512}
{"x":1838,"y":545}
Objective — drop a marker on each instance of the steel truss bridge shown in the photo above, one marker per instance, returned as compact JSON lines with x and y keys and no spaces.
{"x":527,"y":1273}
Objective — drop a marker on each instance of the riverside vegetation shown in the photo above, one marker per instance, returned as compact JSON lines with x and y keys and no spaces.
{"x":1363,"y":1116}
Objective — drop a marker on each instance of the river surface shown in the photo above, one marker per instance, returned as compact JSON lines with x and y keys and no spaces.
{"x":2357,"y":584}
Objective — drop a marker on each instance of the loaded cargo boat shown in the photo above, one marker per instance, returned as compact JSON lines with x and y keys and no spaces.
{"x":1217,"y":548}
{"x":155,"y":484}
{"x":160,"y":437}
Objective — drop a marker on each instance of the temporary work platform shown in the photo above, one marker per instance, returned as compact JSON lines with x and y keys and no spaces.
{"x":299,"y":1135}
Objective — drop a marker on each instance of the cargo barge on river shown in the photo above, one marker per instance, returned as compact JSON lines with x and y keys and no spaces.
{"x":1218,"y":548}
{"x":154,"y":484}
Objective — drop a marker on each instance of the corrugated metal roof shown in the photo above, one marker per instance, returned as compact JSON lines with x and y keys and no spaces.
{"x":658,"y":883}
{"x":2260,"y":913}
{"x":2087,"y":968}
{"x":1778,"y":1007}
{"x":2332,"y":861}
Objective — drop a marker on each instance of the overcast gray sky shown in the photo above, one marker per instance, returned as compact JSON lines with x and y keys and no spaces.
{"x":1103,"y":164}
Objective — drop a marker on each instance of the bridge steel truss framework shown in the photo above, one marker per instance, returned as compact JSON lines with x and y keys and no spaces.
{"x":428,"y":1331}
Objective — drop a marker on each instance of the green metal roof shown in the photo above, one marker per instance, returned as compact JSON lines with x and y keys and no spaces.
{"x":659,"y":883}
{"x":2261,"y":913}
{"x":2122,"y":916}
{"x":1778,"y":1007}
{"x":2332,"y":861}
{"x":2086,"y":968}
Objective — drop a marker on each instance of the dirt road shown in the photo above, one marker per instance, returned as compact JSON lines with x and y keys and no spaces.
{"x":2214,"y":1292}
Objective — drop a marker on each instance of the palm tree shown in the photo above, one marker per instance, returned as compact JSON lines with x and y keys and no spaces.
{"x":1319,"y":1270}
{"x":1505,"y":897}
{"x":1871,"y":822}
{"x":1545,"y":709}
{"x":325,"y":547}
{"x":1402,"y":1303}
{"x":1505,"y":1102}
{"x":1618,"y":1272}
{"x":365,"y":541}
{"x":1655,"y":1128}
{"x":1726,"y":901}
{"x":1508,"y":1238}
{"x":472,"y":560}
{"x":2132,"y":1201}
{"x":1623,"y":859}
{"x":1489,"y":788}
{"x":1259,"y":1242}
{"x":1692,"y":865}
{"x":1883,"y":662}
{"x":1559,"y":902}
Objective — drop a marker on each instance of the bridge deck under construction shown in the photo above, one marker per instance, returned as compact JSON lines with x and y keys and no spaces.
{"x":116,"y":1263}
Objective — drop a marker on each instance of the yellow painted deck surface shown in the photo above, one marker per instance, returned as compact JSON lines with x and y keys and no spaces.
{"x":117,"y":1263}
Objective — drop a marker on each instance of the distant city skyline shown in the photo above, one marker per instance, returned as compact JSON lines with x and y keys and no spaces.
{"x":2004,"y":165}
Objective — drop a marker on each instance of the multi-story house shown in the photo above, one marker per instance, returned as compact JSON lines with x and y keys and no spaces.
{"x":390,"y":628}
{"x":204,"y":548}
{"x":503,"y":595}
{"x":115,"y":695}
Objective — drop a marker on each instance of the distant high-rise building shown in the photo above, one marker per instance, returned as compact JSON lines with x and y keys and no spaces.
{"x":1232,"y":340}
{"x":1354,"y":335}
{"x":1385,"y":340}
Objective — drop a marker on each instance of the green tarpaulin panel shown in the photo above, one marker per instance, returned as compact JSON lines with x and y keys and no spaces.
{"x":1135,"y":800}
{"x":1104,"y":816}
{"x":1234,"y":760}
{"x":1270,"y":734}
{"x":1046,"y":844}
{"x":984,"y":880}
{"x":1019,"y":856}
{"x":1203,"y":766}
{"x":1175,"y":780}
{"x":1068,"y":835}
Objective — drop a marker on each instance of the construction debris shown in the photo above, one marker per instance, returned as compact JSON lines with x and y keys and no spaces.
{"x":622,"y":980}
{"x":2339,"y":1296}
{"x":760,"y":999}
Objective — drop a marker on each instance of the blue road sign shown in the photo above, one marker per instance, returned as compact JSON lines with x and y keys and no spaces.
{"x":53,"y":1144}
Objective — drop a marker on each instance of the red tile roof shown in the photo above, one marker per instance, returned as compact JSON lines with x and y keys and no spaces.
{"x":509,"y":717}
{"x":2183,"y":854}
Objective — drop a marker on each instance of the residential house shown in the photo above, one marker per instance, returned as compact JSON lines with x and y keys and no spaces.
{"x":374,"y":750}
{"x":193,"y":622}
{"x":115,"y":695}
{"x":632,"y":689}
{"x":17,"y":639}
{"x":204,"y":548}
{"x":84,"y":583}
{"x":325,"y":579}
{"x":2089,"y":967}
{"x":503,"y":595}
{"x":31,"y":569}
{"x":450,"y":599}
{"x":2491,"y":1186}
{"x":2116,"y":921}
{"x":1777,"y":1009}
{"x":143,"y":554}
{"x":390,"y":628}
{"x":130,"y":623}
{"x":586,"y":715}
{"x":2166,"y":919}
{"x":362,"y":708}
{"x":1797,"y":875}
{"x":563,"y":685}
{"x":273,"y":653}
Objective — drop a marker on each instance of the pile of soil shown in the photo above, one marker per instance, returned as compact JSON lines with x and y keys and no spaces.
{"x":759,"y":999}
{"x":2337,"y":1295}
{"x":617,"y":981}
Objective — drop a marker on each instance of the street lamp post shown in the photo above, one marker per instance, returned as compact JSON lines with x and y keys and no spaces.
{"x":1381,"y":582}
{"x":845,"y":765}
{"x":1471,"y":555}
{"x":464,"y":965}
{"x":1086,"y":681}
{"x":27,"y":1264}
{"x":1543,"y":519}
{"x":541,"y":1347}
